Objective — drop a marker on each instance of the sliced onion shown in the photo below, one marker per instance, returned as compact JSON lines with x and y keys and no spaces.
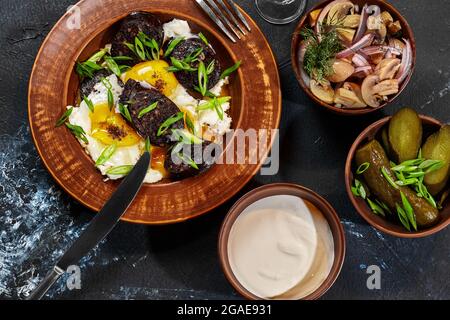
{"x":362,"y":72}
{"x":365,"y":41}
{"x":374,"y":10}
{"x":362,"y":24}
{"x":324,"y":13}
{"x":406,"y":65}
{"x":380,"y":49}
{"x":388,"y":54}
{"x":359,"y":60}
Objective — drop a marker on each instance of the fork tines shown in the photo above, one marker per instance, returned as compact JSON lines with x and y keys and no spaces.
{"x":221,"y":12}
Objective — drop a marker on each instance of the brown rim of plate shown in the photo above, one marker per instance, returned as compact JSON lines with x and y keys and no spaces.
{"x":295,"y":44}
{"x":157,"y":203}
{"x":284,"y":189}
{"x":360,"y":205}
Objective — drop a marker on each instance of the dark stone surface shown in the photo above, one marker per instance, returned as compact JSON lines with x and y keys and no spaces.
{"x":38,"y":220}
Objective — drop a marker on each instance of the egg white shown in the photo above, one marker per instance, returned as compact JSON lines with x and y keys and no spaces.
{"x":177,"y":28}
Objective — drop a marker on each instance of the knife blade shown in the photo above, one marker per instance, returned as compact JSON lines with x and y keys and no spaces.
{"x":100,"y":226}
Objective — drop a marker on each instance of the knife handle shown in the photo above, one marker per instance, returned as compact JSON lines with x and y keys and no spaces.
{"x":45,"y":285}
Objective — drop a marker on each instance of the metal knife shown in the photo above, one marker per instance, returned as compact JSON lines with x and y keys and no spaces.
{"x":100,"y":226}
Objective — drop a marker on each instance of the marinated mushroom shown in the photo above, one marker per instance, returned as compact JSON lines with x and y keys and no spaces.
{"x":394,"y":27}
{"x":349,"y":95}
{"x":387,"y":68}
{"x":323,"y":91}
{"x":351,"y":21}
{"x":342,"y":70}
{"x":347,"y":41}
{"x":386,"y":18}
{"x":338,"y":12}
{"x":346,"y":34}
{"x":374,"y":90}
{"x":375,"y":23}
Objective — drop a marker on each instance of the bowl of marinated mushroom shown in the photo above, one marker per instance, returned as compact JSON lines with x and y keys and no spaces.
{"x":353,"y":57}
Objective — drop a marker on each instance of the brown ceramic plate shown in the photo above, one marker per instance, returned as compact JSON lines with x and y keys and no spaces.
{"x":284,"y":189}
{"x":430,"y":125}
{"x":295,"y":45}
{"x":255,"y":90}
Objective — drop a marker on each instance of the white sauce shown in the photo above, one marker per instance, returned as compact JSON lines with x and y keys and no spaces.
{"x":281,"y":247}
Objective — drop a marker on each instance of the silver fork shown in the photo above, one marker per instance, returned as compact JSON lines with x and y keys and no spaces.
{"x":221,"y":16}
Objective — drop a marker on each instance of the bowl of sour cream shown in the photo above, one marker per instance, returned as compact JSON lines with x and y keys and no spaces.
{"x":283,"y":242}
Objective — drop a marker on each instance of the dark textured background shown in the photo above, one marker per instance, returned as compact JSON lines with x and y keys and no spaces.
{"x":38,"y":221}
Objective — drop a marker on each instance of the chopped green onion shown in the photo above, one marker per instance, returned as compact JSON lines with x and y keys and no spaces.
{"x":122,"y":58}
{"x":64,"y":117}
{"x":146,"y":110}
{"x":96,"y":57}
{"x":185,"y":137}
{"x":132,"y":48}
{"x":384,"y":206}
{"x":202,"y":78}
{"x":210,"y":104}
{"x":148,"y":146}
{"x":215,"y":104}
{"x":178,"y":65}
{"x":169,"y":122}
{"x":78,"y":132}
{"x":376,"y":208}
{"x":139,"y":47}
{"x":172,"y":46}
{"x":190,"y":124}
{"x":87,"y":69}
{"x":89,"y":103}
{"x":149,"y":43}
{"x":123,"y":109}
{"x":108,"y":87}
{"x":120,"y":170}
{"x":362,"y":168}
{"x":193,"y":56}
{"x":402,"y":217}
{"x":388,"y":177}
{"x":407,"y":182}
{"x":202,"y":36}
{"x":230,"y":70}
{"x":106,"y":154}
{"x":211,"y":66}
{"x":106,"y":83}
{"x":436,"y":166}
{"x":409,"y":211}
{"x":112,"y":65}
{"x":110,"y":99}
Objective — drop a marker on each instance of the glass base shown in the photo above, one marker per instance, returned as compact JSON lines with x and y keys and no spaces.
{"x":280,"y":11}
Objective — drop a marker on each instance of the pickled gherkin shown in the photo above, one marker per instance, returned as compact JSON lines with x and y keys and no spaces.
{"x":374,"y":154}
{"x":437,"y":147}
{"x":405,"y":135}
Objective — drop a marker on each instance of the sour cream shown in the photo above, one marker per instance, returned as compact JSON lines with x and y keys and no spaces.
{"x":281,"y":247}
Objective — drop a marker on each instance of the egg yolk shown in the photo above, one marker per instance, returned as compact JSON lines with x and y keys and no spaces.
{"x":154,"y":73}
{"x":158,"y":159}
{"x":109,"y":127}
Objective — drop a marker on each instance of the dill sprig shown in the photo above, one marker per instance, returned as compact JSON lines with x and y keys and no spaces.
{"x":320,"y":51}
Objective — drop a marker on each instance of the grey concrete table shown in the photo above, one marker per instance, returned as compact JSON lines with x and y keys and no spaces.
{"x":38,"y":220}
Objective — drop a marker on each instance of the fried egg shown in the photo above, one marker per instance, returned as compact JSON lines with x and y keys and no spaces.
{"x":155,"y":74}
{"x":105,"y":127}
